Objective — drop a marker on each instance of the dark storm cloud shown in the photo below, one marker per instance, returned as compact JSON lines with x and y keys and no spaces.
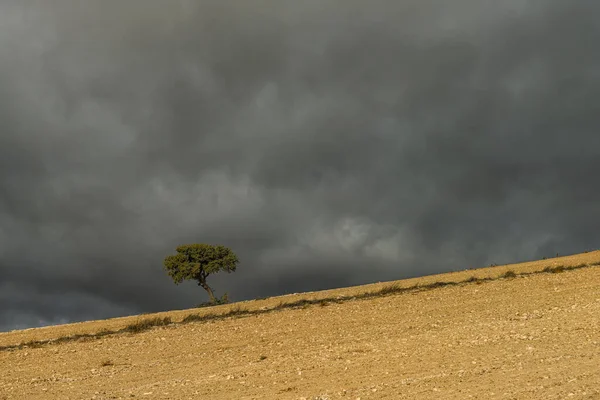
{"x":329,"y":143}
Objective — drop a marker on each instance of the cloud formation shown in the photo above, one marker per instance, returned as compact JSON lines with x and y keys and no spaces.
{"x":329,"y":143}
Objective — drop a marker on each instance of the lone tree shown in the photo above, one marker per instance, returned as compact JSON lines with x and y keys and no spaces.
{"x":197,"y":261}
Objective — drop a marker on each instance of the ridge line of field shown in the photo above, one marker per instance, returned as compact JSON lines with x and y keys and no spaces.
{"x":238,"y":311}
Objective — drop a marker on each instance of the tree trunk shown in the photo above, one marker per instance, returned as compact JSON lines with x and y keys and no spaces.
{"x":211,"y":295}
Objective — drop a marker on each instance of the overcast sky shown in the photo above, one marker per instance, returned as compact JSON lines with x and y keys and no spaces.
{"x":328,"y":143}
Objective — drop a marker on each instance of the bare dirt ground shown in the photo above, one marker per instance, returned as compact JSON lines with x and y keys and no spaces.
{"x":528,"y":337}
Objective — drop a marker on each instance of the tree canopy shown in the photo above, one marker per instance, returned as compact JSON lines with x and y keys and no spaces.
{"x":197,"y":261}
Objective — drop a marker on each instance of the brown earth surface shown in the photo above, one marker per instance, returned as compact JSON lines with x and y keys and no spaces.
{"x":530,"y":337}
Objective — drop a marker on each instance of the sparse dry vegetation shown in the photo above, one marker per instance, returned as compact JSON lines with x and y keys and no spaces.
{"x":311,"y":336}
{"x":146,"y":324}
{"x":238,"y":311}
{"x":509,"y":274}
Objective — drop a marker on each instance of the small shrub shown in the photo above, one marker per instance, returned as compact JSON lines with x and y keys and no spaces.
{"x":509,"y":274}
{"x":439,"y":284}
{"x":217,"y":302}
{"x":222,"y":300}
{"x":192,"y":318}
{"x":559,"y":268}
{"x":146,"y":324}
{"x":390,"y":289}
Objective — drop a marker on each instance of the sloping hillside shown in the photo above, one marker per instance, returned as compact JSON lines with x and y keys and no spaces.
{"x":511,"y":332}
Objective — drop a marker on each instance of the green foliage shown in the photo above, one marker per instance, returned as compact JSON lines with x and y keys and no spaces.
{"x":193,"y":261}
{"x":218,"y":301}
{"x":197,"y":261}
{"x":224,"y":299}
